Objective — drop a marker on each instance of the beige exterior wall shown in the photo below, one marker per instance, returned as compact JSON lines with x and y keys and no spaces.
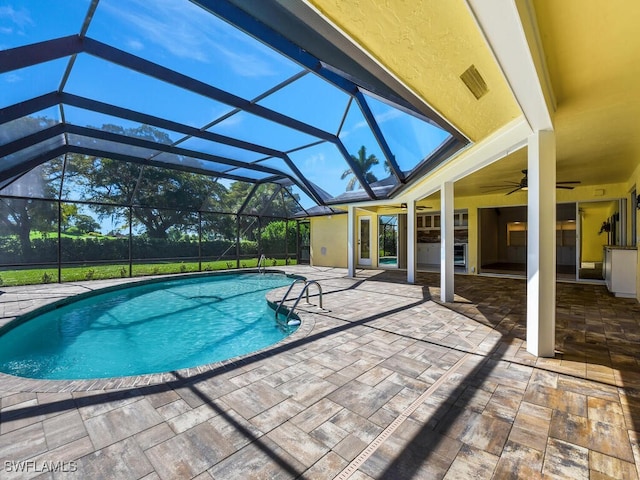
{"x":329,"y":241}
{"x":593,"y":241}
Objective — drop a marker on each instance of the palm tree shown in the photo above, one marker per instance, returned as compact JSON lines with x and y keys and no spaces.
{"x":364,"y":163}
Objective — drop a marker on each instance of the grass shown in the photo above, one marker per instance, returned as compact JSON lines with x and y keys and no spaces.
{"x":34,"y":276}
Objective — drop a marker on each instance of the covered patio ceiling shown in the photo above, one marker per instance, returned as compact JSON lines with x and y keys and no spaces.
{"x":592,"y":55}
{"x":587,"y":55}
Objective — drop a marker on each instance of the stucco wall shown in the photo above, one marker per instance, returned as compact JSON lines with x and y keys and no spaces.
{"x":329,"y":241}
{"x":593,"y":241}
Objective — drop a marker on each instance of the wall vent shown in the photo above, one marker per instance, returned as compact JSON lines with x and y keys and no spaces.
{"x":474,"y":82}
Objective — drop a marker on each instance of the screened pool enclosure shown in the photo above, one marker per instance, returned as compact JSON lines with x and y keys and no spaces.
{"x":196,"y":134}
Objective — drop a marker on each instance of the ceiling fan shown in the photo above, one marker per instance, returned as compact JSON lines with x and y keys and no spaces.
{"x":523,"y":184}
{"x":418,"y":207}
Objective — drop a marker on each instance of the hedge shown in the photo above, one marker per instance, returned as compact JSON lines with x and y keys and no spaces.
{"x":97,"y":249}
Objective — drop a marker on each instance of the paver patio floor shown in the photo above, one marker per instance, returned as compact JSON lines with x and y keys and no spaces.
{"x":383,"y":382}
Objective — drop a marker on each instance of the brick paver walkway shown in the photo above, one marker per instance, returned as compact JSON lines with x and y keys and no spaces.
{"x":383,"y":382}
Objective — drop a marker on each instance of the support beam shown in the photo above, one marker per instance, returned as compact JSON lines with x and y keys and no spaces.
{"x":511,"y":31}
{"x":411,"y":241}
{"x":446,"y":242}
{"x":351,"y":241}
{"x":541,"y":244}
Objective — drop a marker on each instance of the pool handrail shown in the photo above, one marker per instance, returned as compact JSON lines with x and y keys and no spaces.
{"x":263,"y":261}
{"x":305,"y":289}
{"x":281,"y":303}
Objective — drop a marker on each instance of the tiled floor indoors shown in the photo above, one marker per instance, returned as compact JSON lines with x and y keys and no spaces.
{"x":384,"y":382}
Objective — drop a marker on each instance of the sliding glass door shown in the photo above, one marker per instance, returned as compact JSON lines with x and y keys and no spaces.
{"x":388,"y":241}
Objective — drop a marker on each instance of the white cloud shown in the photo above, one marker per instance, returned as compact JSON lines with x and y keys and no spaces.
{"x":314,"y":162}
{"x":247,"y":65}
{"x":20,"y":18}
{"x":321,"y":169}
{"x":230,"y":123}
{"x":165,"y":26}
{"x":184,"y":30}
{"x":12,"y":78}
{"x":135,"y":45}
{"x":354,"y":128}
{"x":390,"y":114}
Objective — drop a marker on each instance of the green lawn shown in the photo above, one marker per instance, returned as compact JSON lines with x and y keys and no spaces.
{"x":98,"y":272}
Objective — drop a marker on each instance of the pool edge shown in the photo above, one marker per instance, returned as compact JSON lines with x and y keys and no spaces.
{"x":12,"y":383}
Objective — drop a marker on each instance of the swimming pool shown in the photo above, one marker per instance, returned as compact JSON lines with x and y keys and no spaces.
{"x":146,"y":328}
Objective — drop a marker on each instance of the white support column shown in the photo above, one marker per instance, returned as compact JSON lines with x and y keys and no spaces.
{"x":351,"y":240}
{"x":446,"y":242}
{"x":411,"y":242}
{"x":541,"y":244}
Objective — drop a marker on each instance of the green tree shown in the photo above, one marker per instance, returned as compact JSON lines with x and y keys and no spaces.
{"x":85,"y":223}
{"x":164,"y":198}
{"x":21,"y":216}
{"x":364,"y":163}
{"x":172,"y":199}
{"x":275,"y":234}
{"x":24,"y":126}
{"x":267,"y":199}
{"x":237,"y":196}
{"x":67,"y":211}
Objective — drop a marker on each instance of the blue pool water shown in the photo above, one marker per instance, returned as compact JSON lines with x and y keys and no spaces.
{"x":148,"y":328}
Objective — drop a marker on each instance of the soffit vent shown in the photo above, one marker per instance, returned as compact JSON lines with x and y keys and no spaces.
{"x":474,"y":82}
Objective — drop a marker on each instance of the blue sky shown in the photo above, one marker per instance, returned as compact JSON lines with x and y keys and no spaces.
{"x":179,"y":35}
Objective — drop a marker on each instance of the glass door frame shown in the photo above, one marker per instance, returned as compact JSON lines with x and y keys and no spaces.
{"x":382,"y":237}
{"x":364,"y":260}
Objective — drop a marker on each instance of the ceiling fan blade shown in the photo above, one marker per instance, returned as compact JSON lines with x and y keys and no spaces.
{"x":499,"y":189}
{"x":506,"y":185}
{"x":569,"y":182}
{"x":515,"y":190}
{"x":564,"y":187}
{"x":418,"y":207}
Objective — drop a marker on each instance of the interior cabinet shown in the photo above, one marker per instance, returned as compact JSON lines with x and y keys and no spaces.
{"x":429,"y":237}
{"x":565,"y":242}
{"x":428,"y":227}
{"x":565,"y":233}
{"x":516,"y":234}
{"x":620,"y":270}
{"x":428,"y":253}
{"x":432,"y":220}
{"x":460,"y":219}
